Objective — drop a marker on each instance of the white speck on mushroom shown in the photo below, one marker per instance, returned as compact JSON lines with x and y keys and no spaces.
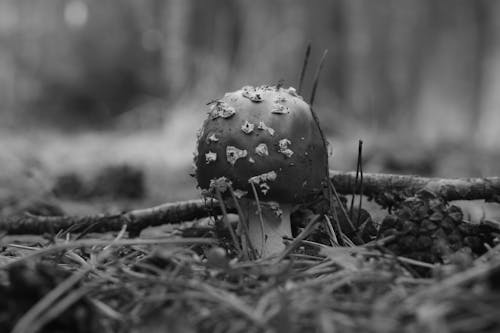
{"x":247,"y":127}
{"x":193,"y":170}
{"x":251,"y":160}
{"x":213,"y":111}
{"x":213,"y":138}
{"x":264,"y":188}
{"x":239,"y":193}
{"x":233,"y":154}
{"x":268,"y":176}
{"x":221,"y":184}
{"x":221,"y":109}
{"x":262,"y":126}
{"x":283,"y":147}
{"x":280,"y":99}
{"x":252,"y":93}
{"x":199,"y":132}
{"x":261,"y":150}
{"x":279,"y":109}
{"x":206,"y":193}
{"x":292,"y":91}
{"x":210,"y":157}
{"x":276,"y":208}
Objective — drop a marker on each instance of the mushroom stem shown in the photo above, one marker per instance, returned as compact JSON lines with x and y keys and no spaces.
{"x":266,"y":233}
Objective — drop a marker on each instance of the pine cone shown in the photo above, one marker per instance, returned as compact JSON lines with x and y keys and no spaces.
{"x":429,"y":230}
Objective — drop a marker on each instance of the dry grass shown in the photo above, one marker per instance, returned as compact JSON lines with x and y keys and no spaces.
{"x":190,"y":285}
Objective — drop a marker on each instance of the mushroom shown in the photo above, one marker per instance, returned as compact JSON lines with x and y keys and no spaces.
{"x":279,"y":165}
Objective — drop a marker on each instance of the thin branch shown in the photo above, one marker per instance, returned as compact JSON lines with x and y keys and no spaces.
{"x":136,"y":220}
{"x":449,"y":189}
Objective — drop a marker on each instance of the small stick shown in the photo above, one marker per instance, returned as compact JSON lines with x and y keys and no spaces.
{"x":355,"y":186}
{"x":360,"y":167}
{"x":304,"y":67}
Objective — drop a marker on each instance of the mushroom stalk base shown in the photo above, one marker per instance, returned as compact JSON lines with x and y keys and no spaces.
{"x":266,"y":235}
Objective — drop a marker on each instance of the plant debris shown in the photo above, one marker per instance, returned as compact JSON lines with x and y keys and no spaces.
{"x":203,"y":284}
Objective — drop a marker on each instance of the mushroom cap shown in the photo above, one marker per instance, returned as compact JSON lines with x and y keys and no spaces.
{"x":266,"y":136}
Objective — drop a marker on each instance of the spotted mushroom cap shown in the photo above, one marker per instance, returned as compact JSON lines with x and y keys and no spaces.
{"x":265,"y":136}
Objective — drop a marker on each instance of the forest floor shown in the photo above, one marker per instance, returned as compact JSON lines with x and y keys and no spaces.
{"x":405,"y":275}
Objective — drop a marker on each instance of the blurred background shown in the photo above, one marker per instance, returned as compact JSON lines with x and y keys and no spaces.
{"x":87,"y":85}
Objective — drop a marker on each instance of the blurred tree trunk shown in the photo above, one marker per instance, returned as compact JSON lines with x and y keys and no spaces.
{"x":448,"y":95}
{"x":216,"y":37}
{"x":9,"y":29}
{"x":273,"y":33}
{"x":410,"y":38}
{"x":385,"y":49}
{"x":487,"y":134}
{"x":175,"y":48}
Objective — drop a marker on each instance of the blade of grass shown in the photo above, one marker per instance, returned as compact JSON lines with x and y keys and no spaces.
{"x":259,"y":212}
{"x":304,"y":67}
{"x":26,"y":322}
{"x":96,"y":242}
{"x":316,"y":78}
{"x":58,"y":308}
{"x":355,"y":185}
{"x":342,"y":209}
{"x":335,"y":226}
{"x":307,"y":230}
{"x":248,"y":249}
{"x":331,"y":231}
{"x":226,"y":221}
{"x":360,"y":167}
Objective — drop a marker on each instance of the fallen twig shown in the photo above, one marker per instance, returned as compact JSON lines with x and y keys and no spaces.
{"x":136,"y":220}
{"x":176,"y":212}
{"x":449,"y":189}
